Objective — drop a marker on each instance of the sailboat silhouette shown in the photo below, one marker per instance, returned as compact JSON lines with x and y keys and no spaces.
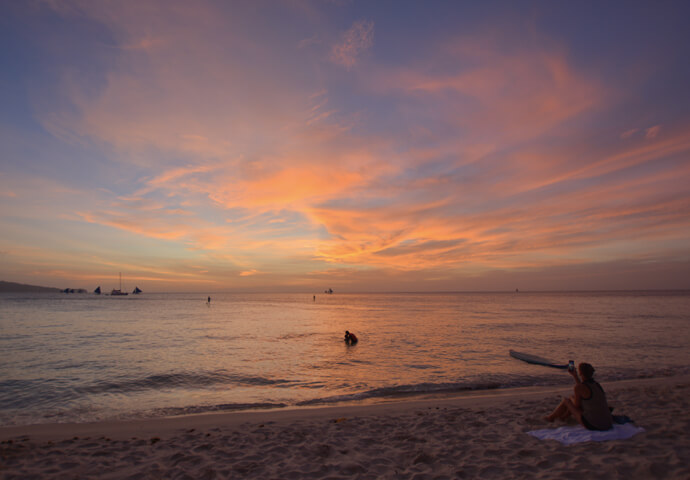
{"x":119,"y":291}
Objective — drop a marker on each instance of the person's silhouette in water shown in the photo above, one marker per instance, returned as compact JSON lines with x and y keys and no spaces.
{"x":350,"y":338}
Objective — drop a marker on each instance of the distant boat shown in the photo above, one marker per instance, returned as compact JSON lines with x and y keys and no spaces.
{"x":73,"y":290}
{"x":329,"y":291}
{"x":98,"y":290}
{"x":119,"y":292}
{"x":136,"y":290}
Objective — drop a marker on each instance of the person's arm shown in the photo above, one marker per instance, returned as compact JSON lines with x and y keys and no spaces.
{"x":578,"y":393}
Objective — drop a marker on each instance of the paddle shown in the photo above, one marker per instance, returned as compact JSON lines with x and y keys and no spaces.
{"x":535,"y":360}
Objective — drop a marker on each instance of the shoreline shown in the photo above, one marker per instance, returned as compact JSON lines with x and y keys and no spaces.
{"x":469,"y":399}
{"x":474,"y":434}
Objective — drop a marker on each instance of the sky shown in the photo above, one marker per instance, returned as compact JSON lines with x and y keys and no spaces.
{"x":361,"y":146}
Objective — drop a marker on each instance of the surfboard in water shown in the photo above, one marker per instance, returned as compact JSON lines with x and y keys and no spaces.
{"x":533,"y":359}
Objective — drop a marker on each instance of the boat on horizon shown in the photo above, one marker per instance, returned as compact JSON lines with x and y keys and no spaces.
{"x":98,"y":290}
{"x":136,"y":291}
{"x":119,"y":292}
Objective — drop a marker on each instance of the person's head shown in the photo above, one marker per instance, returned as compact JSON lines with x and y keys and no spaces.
{"x":586,"y":370}
{"x":347,"y":332}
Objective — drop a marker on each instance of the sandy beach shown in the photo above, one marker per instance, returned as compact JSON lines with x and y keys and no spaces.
{"x":475,"y":435}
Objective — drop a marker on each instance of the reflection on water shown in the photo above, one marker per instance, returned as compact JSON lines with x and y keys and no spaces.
{"x":82,"y":357}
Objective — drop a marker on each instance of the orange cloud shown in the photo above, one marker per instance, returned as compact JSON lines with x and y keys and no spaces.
{"x":561,"y":222}
{"x":248,"y":273}
{"x":291,"y":185}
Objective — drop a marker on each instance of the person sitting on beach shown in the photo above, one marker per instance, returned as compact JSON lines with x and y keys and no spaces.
{"x":588,"y":404}
{"x":350,"y":338}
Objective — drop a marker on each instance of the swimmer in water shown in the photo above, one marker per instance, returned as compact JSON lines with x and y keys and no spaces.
{"x":350,"y":338}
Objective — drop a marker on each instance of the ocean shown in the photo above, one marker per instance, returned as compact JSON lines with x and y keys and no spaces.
{"x":84,"y":357}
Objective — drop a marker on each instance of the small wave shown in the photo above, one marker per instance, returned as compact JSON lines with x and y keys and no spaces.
{"x":69,"y":365}
{"x":485,"y":383}
{"x":15,"y":393}
{"x":179,"y":380}
{"x":421,"y":367}
{"x":292,"y":336}
{"x":404,"y":390}
{"x":12,"y":338}
{"x":224,"y":407}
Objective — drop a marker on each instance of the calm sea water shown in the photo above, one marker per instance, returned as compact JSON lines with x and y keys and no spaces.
{"x":82,"y":357}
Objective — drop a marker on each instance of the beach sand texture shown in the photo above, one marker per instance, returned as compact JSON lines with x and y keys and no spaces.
{"x":480,"y":435}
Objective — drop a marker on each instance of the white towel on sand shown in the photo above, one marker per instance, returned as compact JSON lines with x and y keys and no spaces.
{"x":575,"y":434}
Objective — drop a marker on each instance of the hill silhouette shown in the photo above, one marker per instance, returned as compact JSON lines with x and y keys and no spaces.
{"x":20,"y":287}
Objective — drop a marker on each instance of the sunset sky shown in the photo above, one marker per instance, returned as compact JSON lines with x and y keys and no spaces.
{"x":357,"y":145}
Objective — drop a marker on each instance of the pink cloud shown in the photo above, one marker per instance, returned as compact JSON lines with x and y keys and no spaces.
{"x":629,"y":133}
{"x":307,"y":42}
{"x":652,"y":132}
{"x":357,"y":39}
{"x":514,"y":97}
{"x":177,"y":97}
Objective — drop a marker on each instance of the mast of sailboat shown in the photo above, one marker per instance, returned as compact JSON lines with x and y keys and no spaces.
{"x":120,"y":281}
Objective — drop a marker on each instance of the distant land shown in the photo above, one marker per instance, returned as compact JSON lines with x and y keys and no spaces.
{"x":20,"y":287}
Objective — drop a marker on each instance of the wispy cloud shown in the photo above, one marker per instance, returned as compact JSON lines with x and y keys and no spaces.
{"x":307,"y":42}
{"x":516,"y":95}
{"x":629,"y":133}
{"x":355,"y":41}
{"x":652,"y":132}
{"x":648,"y":133}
